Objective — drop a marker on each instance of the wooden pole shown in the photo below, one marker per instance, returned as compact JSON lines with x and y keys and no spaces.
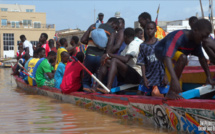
{"x":201,"y":8}
{"x":212,"y":18}
{"x":94,"y":14}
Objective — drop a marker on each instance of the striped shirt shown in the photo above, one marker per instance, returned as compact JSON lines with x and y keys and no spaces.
{"x":177,"y":41}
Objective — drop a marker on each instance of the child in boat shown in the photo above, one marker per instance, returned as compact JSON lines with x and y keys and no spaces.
{"x":73,"y":75}
{"x":44,"y":72}
{"x":22,"y":61}
{"x":43,"y":40}
{"x":153,"y":71}
{"x":64,"y":44}
{"x":123,"y":66}
{"x":20,"y":52}
{"x":176,"y":46}
{"x":61,"y":69}
{"x":139,"y":33}
{"x":77,"y":47}
{"x":32,"y":63}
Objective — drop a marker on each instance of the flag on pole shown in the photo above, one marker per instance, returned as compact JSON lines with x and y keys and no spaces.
{"x":160,"y":34}
{"x":156,"y":21}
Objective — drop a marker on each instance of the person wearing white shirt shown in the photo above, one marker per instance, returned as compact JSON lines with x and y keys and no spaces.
{"x":124,"y":66}
{"x":27,"y":45}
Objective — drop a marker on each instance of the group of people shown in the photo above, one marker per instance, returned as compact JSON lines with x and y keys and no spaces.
{"x":129,"y":56}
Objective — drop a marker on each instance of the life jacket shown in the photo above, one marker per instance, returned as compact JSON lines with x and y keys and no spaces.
{"x":32,"y":63}
{"x":35,"y":70}
{"x":99,"y":36}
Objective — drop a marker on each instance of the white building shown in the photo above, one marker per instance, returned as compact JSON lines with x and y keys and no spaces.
{"x":169,"y":26}
{"x":175,"y":25}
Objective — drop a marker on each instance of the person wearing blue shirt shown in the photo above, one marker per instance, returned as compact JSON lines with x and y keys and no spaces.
{"x":61,"y":69}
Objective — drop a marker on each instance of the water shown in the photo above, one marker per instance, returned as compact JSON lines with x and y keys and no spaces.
{"x":34,"y":114}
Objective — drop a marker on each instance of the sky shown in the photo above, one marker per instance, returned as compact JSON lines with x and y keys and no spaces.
{"x":80,"y":13}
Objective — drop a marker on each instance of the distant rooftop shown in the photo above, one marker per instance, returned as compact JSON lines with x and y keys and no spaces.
{"x":67,"y":31}
{"x":17,"y":8}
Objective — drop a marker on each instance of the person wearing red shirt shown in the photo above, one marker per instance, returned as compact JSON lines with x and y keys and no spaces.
{"x":73,"y":76}
{"x":20,"y":52}
{"x":43,"y":40}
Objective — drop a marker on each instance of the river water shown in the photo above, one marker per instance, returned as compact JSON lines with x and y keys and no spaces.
{"x":24,"y":113}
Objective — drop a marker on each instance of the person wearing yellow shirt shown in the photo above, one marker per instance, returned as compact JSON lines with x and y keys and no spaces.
{"x":33,"y":62}
{"x":64,"y":44}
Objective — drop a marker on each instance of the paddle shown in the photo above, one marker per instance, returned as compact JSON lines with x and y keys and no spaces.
{"x":29,"y":74}
{"x":100,"y":83}
{"x":197,"y":92}
{"x":123,"y":87}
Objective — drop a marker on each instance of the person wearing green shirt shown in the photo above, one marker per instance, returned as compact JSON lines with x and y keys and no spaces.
{"x":45,"y":71}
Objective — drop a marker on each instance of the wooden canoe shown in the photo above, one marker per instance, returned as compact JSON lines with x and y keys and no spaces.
{"x":179,"y":115}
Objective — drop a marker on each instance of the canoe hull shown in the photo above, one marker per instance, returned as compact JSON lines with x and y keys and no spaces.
{"x":195,"y":74}
{"x":184,"y":115}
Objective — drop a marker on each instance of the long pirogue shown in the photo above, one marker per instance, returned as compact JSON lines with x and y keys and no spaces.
{"x":184,"y":115}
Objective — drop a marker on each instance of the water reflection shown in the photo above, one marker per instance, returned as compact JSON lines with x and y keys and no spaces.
{"x":24,"y":113}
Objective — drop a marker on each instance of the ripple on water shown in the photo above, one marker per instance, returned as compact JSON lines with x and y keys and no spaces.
{"x":24,"y":113}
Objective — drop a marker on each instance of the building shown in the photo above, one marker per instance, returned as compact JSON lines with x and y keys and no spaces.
{"x":175,"y":25}
{"x":21,"y":19}
{"x":68,"y":33}
{"x":169,"y":26}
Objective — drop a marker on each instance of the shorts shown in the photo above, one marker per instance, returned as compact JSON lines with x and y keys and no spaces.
{"x":174,"y":59}
{"x":163,"y":90}
{"x":49,"y":83}
{"x":132,"y":77}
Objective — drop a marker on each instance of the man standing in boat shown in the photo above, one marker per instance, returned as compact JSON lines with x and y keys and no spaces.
{"x":94,"y":52}
{"x":27,"y":45}
{"x":176,"y":46}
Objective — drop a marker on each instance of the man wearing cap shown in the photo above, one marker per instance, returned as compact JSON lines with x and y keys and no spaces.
{"x":100,"y":18}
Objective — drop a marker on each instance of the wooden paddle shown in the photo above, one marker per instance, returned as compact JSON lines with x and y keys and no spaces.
{"x":29,"y":74}
{"x":99,"y":82}
{"x":197,"y":92}
{"x":123,"y":87}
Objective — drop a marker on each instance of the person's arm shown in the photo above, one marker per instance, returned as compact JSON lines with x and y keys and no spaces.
{"x":50,"y":75}
{"x":48,"y":71}
{"x":85,"y":37}
{"x":145,"y":80}
{"x":27,"y":45}
{"x":119,"y":41}
{"x":209,"y":46}
{"x":27,"y":50}
{"x":124,"y":59}
{"x":110,"y":43}
{"x":204,"y":65}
